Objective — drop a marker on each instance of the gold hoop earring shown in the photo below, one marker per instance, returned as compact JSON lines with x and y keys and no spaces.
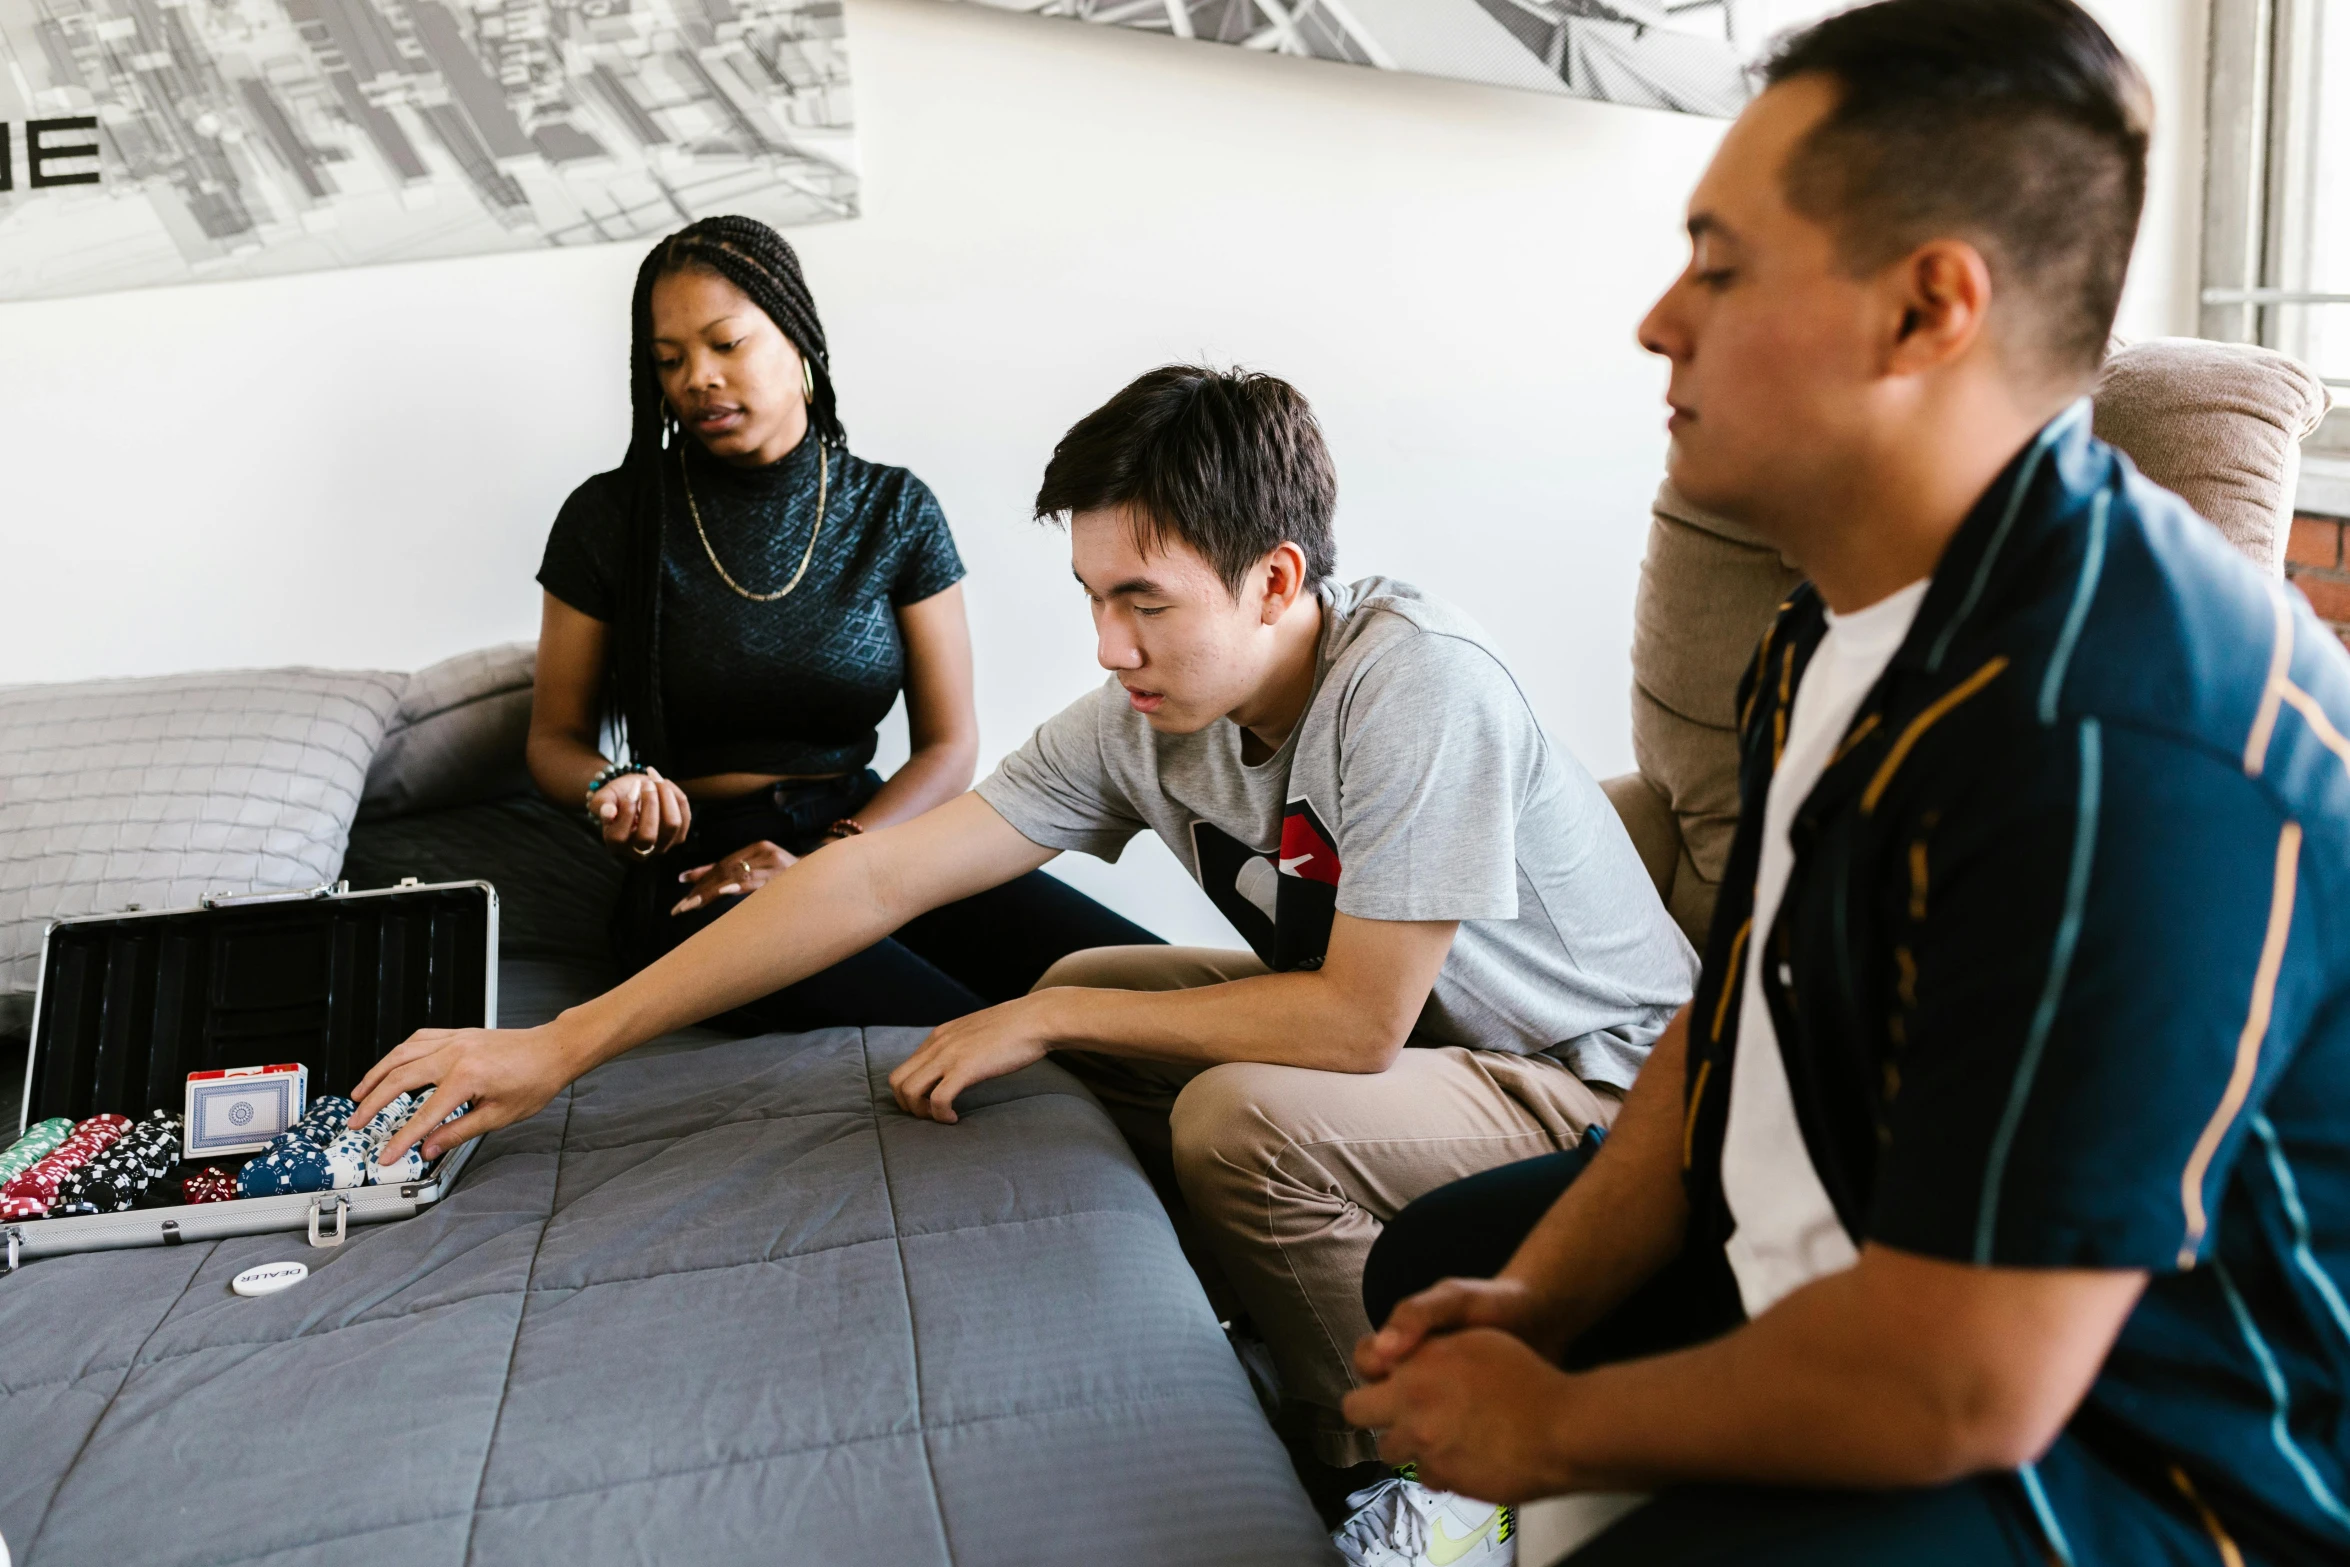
{"x":808,"y":381}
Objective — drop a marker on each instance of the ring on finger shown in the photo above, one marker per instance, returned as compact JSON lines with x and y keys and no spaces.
{"x":643,"y":852}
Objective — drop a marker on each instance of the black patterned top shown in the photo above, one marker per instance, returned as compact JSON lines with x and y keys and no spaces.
{"x":795,"y":686}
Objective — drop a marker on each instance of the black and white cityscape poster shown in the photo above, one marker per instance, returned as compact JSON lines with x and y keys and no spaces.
{"x":163,"y":141}
{"x":1685,"y":55}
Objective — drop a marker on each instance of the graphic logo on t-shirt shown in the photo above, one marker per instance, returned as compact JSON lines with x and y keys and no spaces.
{"x":1282,"y":900}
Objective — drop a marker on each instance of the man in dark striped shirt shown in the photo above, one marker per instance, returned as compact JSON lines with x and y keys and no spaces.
{"x":1991,"y":1201}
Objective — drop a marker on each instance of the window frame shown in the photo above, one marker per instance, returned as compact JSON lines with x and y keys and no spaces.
{"x":2258,"y":149}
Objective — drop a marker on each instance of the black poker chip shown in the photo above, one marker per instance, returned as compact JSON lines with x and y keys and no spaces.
{"x":125,"y":1172}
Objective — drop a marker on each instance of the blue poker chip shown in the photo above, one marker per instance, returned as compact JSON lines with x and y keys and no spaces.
{"x":300,"y":1167}
{"x":408,"y":1167}
{"x":324,"y":1120}
{"x":347,"y":1158}
{"x":321,"y":1152}
{"x":390,"y":1119}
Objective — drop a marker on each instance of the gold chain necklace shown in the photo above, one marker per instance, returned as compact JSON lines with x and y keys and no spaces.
{"x":823,"y":494}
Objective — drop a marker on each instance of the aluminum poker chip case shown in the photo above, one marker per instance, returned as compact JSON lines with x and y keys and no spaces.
{"x":129,"y":1004}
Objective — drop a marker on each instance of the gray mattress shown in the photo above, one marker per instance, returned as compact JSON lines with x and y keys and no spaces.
{"x":719,"y":1302}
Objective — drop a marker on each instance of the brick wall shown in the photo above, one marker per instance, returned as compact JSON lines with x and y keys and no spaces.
{"x":2317,"y":561}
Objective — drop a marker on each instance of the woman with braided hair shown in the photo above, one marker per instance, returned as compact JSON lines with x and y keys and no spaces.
{"x":741,"y":601}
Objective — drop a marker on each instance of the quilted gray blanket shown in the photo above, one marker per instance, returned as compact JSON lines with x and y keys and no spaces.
{"x":720,"y":1302}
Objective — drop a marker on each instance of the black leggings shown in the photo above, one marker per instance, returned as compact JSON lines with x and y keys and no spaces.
{"x":1471,"y":1228}
{"x":989,"y":947}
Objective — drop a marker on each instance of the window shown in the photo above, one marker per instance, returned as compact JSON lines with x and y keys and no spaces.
{"x":2276,"y":244}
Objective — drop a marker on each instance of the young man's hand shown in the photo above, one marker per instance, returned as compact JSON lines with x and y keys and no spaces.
{"x":506,"y":1075}
{"x":1478,"y":1411}
{"x":970,"y":1050}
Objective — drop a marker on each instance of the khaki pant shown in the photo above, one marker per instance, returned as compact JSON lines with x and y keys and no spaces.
{"x":1284,"y":1175}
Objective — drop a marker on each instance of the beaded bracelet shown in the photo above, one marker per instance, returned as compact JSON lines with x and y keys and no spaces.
{"x":611,"y":771}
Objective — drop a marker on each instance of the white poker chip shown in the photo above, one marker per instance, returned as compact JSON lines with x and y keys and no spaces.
{"x":269,"y":1278}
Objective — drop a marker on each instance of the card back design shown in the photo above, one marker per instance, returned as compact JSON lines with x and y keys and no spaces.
{"x":239,"y":1110}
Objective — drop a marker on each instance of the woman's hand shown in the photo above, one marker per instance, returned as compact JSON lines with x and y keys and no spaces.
{"x":642,"y":813}
{"x":506,"y":1074}
{"x":744,"y":871}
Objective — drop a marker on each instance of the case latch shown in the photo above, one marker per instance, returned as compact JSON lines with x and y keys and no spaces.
{"x":15,"y":1246}
{"x":342,"y":1207}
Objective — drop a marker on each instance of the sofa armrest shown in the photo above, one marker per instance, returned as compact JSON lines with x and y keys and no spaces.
{"x":1650,"y":822}
{"x":2218,"y":424}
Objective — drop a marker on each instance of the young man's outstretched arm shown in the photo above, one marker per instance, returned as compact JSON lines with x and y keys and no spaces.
{"x":832,"y":904}
{"x":1350,"y":1015}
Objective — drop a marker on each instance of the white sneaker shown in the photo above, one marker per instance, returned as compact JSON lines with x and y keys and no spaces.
{"x":1401,"y":1523}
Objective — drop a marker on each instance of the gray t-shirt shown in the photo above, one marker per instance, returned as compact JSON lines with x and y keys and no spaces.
{"x":1417,"y":786}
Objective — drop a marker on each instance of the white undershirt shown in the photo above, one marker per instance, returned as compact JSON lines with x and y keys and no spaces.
{"x":1788,"y":1233}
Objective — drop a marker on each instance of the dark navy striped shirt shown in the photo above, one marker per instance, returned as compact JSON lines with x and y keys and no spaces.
{"x":2062,"y":979}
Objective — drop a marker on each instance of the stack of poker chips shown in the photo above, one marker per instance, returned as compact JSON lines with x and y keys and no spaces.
{"x":38,"y":1143}
{"x":120,"y":1176}
{"x":320,"y":1153}
{"x":356,"y":1147}
{"x":296,"y":1159}
{"x":210,"y":1184}
{"x":323,"y":1121}
{"x":379,"y":1131}
{"x":28,"y":1194}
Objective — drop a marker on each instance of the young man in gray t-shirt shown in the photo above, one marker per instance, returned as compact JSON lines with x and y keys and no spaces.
{"x":1415,"y":787}
{"x":1355,"y":779}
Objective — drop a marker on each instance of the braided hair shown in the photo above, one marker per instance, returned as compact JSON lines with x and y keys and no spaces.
{"x":757,"y":260}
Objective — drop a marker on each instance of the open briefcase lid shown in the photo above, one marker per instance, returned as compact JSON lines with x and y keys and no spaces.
{"x":129,"y":1004}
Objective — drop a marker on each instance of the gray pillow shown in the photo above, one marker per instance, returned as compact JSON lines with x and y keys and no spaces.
{"x":156,"y":792}
{"x":458,"y":736}
{"x":556,"y":885}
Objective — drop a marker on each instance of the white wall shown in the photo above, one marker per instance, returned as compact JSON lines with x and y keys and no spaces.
{"x":358,"y":468}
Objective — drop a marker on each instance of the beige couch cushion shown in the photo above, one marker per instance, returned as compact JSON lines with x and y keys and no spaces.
{"x":1648,"y":821}
{"x":2219,"y":423}
{"x":1708,"y":587}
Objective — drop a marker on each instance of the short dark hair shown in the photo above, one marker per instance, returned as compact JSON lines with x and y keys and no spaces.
{"x":1229,"y":462}
{"x":2016,"y":125}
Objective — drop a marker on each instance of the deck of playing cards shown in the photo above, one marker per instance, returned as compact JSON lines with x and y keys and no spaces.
{"x":239,"y":1110}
